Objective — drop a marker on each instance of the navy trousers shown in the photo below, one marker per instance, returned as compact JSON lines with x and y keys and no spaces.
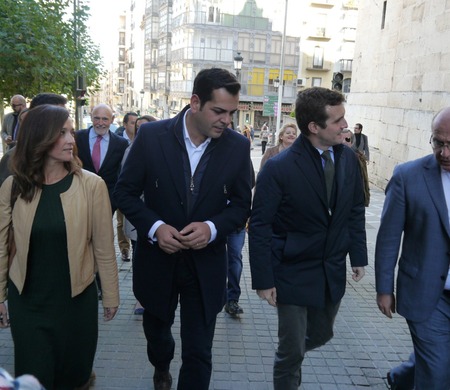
{"x":196,"y":334}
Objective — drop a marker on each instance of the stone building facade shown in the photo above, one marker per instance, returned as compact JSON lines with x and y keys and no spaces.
{"x":401,"y":78}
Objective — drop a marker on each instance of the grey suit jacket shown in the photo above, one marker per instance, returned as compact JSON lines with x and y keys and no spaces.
{"x":414,"y":207}
{"x":363,"y":146}
{"x":7,"y":125}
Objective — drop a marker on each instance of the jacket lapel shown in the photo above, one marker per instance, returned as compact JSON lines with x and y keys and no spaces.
{"x":433,"y":180}
{"x":219,"y":156}
{"x":172,"y":145}
{"x":309,"y":163}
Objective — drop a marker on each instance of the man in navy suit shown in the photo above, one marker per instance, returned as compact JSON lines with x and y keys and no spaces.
{"x":112,"y":147}
{"x":417,"y":211}
{"x":308,"y":214}
{"x":195,"y":175}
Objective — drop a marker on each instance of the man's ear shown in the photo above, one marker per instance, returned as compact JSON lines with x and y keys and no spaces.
{"x":195,"y":103}
{"x":313,"y":128}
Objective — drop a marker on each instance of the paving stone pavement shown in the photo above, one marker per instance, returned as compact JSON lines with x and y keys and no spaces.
{"x":365,"y":346}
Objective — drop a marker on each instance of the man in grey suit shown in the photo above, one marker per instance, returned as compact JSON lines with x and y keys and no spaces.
{"x":360,"y":141}
{"x":416,"y":210}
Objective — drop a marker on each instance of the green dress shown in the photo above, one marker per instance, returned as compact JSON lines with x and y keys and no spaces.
{"x":55,"y":335}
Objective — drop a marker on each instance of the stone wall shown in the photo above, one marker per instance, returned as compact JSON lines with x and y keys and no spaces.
{"x":401,"y":78}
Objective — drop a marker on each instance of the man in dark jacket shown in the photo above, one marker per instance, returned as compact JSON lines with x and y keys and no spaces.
{"x":101,"y":150}
{"x":195,"y":175}
{"x":308,"y":214}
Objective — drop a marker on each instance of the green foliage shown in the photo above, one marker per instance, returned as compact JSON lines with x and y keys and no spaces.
{"x":38,"y":49}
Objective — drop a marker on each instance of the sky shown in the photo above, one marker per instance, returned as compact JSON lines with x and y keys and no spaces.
{"x":104,"y":19}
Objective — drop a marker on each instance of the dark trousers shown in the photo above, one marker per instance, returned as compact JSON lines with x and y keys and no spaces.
{"x":300,"y":329}
{"x":196,"y":334}
{"x":263,"y":146}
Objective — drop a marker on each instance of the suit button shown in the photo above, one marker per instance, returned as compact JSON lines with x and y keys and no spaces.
{"x":443,"y":277}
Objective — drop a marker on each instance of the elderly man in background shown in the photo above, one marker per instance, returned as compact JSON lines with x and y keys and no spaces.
{"x":11,"y":121}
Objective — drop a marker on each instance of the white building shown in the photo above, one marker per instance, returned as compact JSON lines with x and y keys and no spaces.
{"x":401,"y":78}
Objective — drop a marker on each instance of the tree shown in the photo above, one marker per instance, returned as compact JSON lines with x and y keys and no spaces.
{"x":44,"y":46}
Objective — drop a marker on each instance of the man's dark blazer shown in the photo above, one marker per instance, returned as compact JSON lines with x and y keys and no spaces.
{"x":295,"y":244}
{"x":110,"y":168}
{"x":414,"y":215}
{"x":155,"y":167}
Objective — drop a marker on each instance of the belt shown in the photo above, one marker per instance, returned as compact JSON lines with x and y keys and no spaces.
{"x":447,"y":293}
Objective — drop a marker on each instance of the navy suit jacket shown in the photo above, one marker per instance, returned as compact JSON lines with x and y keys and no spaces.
{"x":110,"y":168}
{"x":414,"y":207}
{"x":295,"y":245}
{"x":155,"y":167}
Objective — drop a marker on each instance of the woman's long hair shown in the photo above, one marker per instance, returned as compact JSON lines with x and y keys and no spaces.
{"x":38,"y":134}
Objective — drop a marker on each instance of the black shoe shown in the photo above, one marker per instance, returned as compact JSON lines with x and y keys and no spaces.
{"x":233,"y":308}
{"x":162,"y":380}
{"x":391,"y":385}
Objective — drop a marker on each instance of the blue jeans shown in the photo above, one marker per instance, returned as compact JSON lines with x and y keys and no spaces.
{"x":235,"y":243}
{"x":431,"y":339}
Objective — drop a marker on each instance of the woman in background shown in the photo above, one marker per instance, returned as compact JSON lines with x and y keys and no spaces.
{"x":63,"y":233}
{"x":287,"y":136}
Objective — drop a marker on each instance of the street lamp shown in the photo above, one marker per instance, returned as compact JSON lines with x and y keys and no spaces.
{"x":238,"y":59}
{"x":238,"y":64}
{"x":142,"y":93}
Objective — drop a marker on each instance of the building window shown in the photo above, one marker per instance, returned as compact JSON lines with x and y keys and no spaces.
{"x":346,"y":85}
{"x":211,"y":14}
{"x":121,"y":39}
{"x":316,"y":82}
{"x":318,"y":57}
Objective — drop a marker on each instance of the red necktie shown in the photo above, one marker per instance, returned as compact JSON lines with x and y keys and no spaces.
{"x":96,"y":154}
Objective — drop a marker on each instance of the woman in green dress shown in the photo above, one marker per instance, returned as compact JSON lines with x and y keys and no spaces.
{"x":63,"y":233}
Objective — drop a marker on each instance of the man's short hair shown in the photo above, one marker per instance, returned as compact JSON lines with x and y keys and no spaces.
{"x":208,"y":80}
{"x":127,"y":116}
{"x":310,"y":106}
{"x":48,"y":98}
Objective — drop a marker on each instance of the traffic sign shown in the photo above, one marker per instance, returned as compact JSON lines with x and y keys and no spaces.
{"x":270,"y":105}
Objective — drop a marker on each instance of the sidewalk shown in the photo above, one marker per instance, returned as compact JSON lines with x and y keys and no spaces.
{"x":365,"y":346}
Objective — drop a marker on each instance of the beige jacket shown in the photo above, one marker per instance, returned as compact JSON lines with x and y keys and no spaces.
{"x":90,"y":236}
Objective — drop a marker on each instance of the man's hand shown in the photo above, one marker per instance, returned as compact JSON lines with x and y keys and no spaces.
{"x":169,"y":239}
{"x":358,"y":273}
{"x":196,"y":235}
{"x":4,"y":321}
{"x":270,"y":295}
{"x":8,"y":140}
{"x":386,"y":304}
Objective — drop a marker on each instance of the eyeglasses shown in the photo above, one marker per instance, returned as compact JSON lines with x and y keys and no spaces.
{"x":439,"y":145}
{"x":16,"y":105}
